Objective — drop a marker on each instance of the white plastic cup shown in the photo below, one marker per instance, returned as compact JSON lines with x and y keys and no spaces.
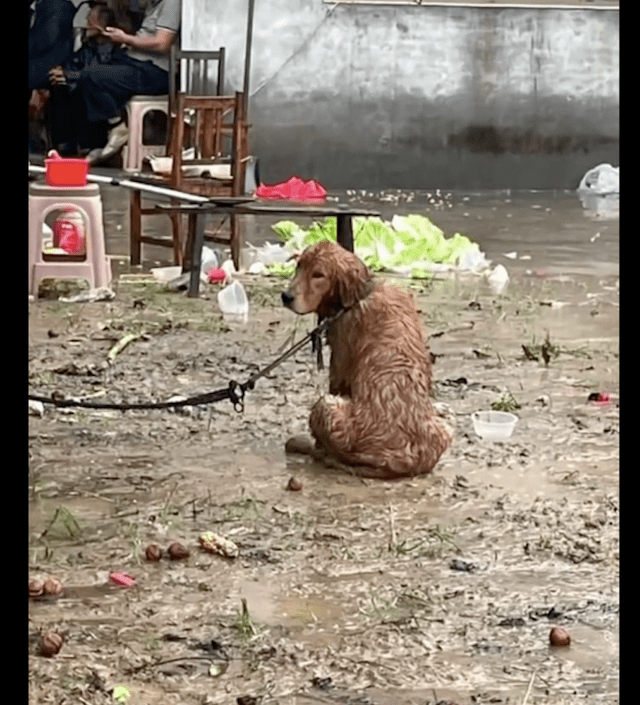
{"x":233,"y":300}
{"x":494,"y":425}
{"x":209,"y":260}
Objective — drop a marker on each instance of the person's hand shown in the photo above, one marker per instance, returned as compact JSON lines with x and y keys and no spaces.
{"x":57,"y":76}
{"x":115,"y":35}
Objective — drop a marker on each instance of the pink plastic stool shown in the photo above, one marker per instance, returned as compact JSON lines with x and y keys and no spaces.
{"x":135,"y":150}
{"x":94,"y":266}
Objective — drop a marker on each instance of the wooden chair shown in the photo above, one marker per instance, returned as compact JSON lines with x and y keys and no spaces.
{"x":215,"y":129}
{"x":189,"y":72}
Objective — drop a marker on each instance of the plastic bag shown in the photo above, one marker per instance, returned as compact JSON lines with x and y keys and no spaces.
{"x":602,"y":179}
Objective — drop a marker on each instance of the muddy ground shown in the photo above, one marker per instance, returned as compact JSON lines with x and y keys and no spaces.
{"x":358,"y":592}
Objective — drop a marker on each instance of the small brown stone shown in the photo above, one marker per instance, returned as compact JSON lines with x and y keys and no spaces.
{"x":36,"y":587}
{"x":51,"y":643}
{"x":294,"y":484}
{"x":559,"y":637}
{"x":51,"y":586}
{"x":177,"y":551}
{"x":153,"y":552}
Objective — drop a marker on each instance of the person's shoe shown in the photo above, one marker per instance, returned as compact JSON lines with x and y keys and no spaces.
{"x":118,"y":137}
{"x":94,"y":155}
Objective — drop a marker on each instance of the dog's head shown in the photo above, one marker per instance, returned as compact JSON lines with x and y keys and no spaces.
{"x":328,"y":278}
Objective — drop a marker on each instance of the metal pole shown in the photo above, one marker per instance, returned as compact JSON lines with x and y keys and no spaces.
{"x":247,"y":56}
{"x":158,"y":190}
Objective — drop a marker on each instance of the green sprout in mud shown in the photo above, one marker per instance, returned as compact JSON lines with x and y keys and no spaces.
{"x":62,"y":524}
{"x":506,"y":402}
{"x":243,"y":508}
{"x":244,"y":624}
{"x":429,"y":545}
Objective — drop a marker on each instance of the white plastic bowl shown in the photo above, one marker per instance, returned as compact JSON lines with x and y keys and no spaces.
{"x":494,"y":425}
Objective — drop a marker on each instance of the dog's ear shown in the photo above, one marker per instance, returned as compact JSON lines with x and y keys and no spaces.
{"x":353,"y":282}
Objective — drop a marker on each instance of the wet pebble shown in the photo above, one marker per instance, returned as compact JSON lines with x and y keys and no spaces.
{"x":559,"y":637}
{"x":177,"y":551}
{"x":294,"y":485}
{"x":153,"y":552}
{"x":51,"y":643}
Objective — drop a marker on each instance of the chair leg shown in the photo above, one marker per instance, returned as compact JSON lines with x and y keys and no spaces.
{"x":135,"y":227}
{"x":236,"y":226}
{"x":178,"y":237}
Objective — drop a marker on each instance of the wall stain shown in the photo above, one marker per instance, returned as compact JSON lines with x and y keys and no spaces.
{"x":487,"y":139}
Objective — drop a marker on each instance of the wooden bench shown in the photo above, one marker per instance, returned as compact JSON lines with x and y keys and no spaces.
{"x":246,"y":206}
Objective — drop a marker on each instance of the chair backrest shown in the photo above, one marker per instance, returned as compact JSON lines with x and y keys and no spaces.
{"x":190,"y":72}
{"x":218,"y":132}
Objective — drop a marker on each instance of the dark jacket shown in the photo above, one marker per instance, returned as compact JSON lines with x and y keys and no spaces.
{"x":50,"y":38}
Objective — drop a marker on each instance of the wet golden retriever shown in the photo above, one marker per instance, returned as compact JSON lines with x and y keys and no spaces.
{"x":378,"y":419}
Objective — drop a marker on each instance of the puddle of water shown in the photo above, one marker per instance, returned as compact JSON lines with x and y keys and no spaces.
{"x":82,"y":509}
{"x":312,"y":616}
{"x":546,"y":229}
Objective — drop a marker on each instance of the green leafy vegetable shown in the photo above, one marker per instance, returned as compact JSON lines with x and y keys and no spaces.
{"x":409,"y":243}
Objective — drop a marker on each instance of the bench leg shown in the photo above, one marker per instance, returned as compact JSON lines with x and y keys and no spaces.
{"x":135,"y":227}
{"x":198,"y":222}
{"x":236,"y":228}
{"x":345,"y":231}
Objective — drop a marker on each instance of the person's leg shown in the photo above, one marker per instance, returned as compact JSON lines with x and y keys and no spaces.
{"x":61,"y":110}
{"x":106,"y":90}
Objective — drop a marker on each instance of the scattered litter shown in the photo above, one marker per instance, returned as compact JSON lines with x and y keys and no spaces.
{"x":36,"y":408}
{"x":166,"y":274}
{"x":181,"y":283}
{"x":214,"y":543}
{"x":257,"y":268}
{"x":465,"y":566}
{"x":122,"y":579}
{"x":120,"y":694}
{"x":602,"y":180}
{"x":599,"y":192}
{"x":494,"y":425}
{"x":498,"y":279}
{"x":164,"y":165}
{"x":510,"y":255}
{"x":600,"y":398}
{"x":233,"y":300}
{"x":216,"y":275}
{"x":294,"y":189}
{"x":121,"y":345}
{"x":208,"y":259}
{"x":89,"y":295}
{"x":229,"y":268}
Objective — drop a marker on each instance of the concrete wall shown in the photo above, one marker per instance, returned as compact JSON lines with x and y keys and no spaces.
{"x":362,"y":96}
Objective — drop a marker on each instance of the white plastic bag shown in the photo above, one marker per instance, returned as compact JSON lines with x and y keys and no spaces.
{"x":602,"y":179}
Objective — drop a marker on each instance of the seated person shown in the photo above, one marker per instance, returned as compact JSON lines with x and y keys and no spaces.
{"x":71,"y":132}
{"x":101,"y":89}
{"x":50,"y":38}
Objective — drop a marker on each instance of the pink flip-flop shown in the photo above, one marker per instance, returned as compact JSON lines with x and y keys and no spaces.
{"x":122,"y":579}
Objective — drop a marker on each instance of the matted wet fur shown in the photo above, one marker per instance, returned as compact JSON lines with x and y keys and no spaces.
{"x":378,"y":418}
